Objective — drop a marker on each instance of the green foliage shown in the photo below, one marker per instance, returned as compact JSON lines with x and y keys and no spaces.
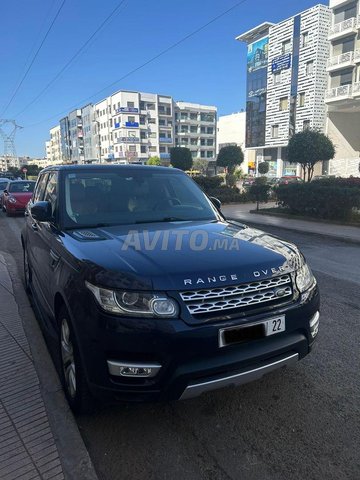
{"x":260,"y":190}
{"x":154,"y":161}
{"x":263,"y":168}
{"x":308,"y":148}
{"x":325,"y":199}
{"x":201,"y":165}
{"x":213,"y":188}
{"x":231,"y":180}
{"x":180,"y":157}
{"x":230,"y":157}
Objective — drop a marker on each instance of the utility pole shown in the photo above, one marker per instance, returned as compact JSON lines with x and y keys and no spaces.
{"x":9,"y":140}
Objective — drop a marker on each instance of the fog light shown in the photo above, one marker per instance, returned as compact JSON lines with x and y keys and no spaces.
{"x":137,"y":370}
{"x":314,"y":324}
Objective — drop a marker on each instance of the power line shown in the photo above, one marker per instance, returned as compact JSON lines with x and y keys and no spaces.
{"x":72,"y":58}
{"x":34,"y":58}
{"x":152,"y":59}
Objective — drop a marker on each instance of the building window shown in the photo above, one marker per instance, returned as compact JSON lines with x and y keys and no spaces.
{"x":306,"y":124}
{"x":162,"y":122}
{"x":277,"y":78}
{"x":210,"y":131}
{"x":142,"y":105}
{"x":184,"y":129}
{"x":202,"y":154}
{"x":183,"y":116}
{"x":302,"y":99}
{"x":193,"y":141}
{"x":143,"y":149}
{"x":152,"y":149}
{"x":143,"y":135}
{"x":286,"y":46}
{"x":305,"y":39}
{"x":193,"y":129}
{"x":310,"y":67}
{"x":162,"y":149}
{"x":210,"y":142}
{"x":130,"y":104}
{"x":152,"y":135}
{"x":150,"y":106}
{"x":131,"y":119}
{"x":275,"y":131}
{"x":283,"y":103}
{"x":152,"y":120}
{"x":193,"y":116}
{"x":132,"y":148}
{"x":202,"y":141}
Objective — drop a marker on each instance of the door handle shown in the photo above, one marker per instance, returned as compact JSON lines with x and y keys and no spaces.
{"x":34,"y":227}
{"x":54,"y":259}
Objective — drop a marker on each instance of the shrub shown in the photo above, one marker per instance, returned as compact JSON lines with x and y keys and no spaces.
{"x":208,"y":183}
{"x":213,"y":188}
{"x":330,"y":198}
{"x":260,"y":190}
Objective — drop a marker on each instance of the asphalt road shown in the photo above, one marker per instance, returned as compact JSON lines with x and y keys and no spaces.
{"x":299,"y":423}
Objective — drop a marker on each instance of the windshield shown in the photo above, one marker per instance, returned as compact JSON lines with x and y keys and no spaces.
{"x":3,"y":186}
{"x":129,"y":197}
{"x":21,"y":187}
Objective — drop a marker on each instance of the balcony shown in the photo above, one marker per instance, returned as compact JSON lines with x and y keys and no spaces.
{"x":343,"y":92}
{"x":344,"y":28}
{"x":341,"y":61}
{"x":165,"y":140}
{"x":357,"y":56}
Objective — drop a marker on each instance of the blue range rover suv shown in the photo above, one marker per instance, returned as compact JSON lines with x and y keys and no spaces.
{"x":150,"y":294}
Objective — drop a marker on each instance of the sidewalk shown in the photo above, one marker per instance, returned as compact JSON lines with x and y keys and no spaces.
{"x":242,"y":212}
{"x":29,"y":444}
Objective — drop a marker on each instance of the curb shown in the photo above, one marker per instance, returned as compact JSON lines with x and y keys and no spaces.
{"x":74,"y":457}
{"x":263,"y":225}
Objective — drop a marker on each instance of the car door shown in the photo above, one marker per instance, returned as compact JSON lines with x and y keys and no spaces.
{"x":36,"y":245}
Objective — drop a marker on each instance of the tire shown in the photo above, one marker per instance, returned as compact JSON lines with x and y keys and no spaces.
{"x":72,"y":374}
{"x":27,"y":271}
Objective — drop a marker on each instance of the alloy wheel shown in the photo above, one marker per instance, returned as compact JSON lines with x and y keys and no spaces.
{"x":68,"y":358}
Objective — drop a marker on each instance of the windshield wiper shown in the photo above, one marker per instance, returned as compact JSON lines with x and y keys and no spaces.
{"x":165,"y":219}
{"x":82,"y":227}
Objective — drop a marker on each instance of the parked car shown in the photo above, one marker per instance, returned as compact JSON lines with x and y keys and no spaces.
{"x":16,"y":196}
{"x":290,"y":179}
{"x":149,"y":293}
{"x":4,"y":182}
{"x":248,"y":182}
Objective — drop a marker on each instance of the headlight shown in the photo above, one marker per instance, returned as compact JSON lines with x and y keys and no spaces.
{"x":304,"y":278}
{"x":12,"y":200}
{"x":129,"y":303}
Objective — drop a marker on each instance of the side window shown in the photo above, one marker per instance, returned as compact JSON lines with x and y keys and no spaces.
{"x":40,"y":188}
{"x":51,"y":191}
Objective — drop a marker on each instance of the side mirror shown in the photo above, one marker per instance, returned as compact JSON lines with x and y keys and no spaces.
{"x":41,"y":211}
{"x":216,"y":202}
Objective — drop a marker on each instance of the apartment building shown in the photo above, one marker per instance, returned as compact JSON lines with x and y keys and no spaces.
{"x":53,"y":147}
{"x":196,"y":128}
{"x":286,"y":84}
{"x":343,"y":94}
{"x":132,"y":126}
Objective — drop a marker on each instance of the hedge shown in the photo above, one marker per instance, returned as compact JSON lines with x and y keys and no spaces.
{"x":213,"y":188}
{"x":327,"y":199}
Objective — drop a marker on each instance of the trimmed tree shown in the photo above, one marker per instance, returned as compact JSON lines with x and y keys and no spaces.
{"x":154,"y":161}
{"x":263,"y":168}
{"x":309,"y":148}
{"x":202,"y":165}
{"x":180,"y":157}
{"x":230,"y":157}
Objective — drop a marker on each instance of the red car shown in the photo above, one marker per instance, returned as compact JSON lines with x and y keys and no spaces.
{"x":290,"y":179}
{"x":17,"y":196}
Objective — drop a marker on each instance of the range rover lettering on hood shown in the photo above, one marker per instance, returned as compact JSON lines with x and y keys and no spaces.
{"x":232,"y":277}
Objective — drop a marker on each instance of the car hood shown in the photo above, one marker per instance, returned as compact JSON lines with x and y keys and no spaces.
{"x":179,"y":255}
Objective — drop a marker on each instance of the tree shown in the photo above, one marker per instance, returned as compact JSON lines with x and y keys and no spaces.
{"x":154,"y":161}
{"x":230,"y":157}
{"x":202,"y":165}
{"x":308,"y":148}
{"x":32,"y":170}
{"x":180,"y":157}
{"x":263,"y":168}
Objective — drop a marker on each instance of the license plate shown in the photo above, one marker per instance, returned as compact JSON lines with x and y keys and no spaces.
{"x":275,"y":325}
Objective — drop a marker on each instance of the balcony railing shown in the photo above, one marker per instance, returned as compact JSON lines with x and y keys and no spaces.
{"x":357,"y":56}
{"x":338,"y":60}
{"x":343,"y":27}
{"x":344,"y":91}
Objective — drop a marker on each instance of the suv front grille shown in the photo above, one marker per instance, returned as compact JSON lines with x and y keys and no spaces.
{"x":212,"y":300}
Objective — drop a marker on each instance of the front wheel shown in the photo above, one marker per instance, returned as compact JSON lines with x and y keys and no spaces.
{"x":72,"y":373}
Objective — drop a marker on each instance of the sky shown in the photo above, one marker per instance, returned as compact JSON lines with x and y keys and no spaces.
{"x":208,"y":68}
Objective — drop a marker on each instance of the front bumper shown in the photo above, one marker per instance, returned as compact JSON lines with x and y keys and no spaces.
{"x":190,"y":357}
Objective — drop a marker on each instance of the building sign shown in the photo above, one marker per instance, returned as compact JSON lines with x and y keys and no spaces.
{"x":257,"y":56}
{"x":132,"y":124}
{"x":257,"y":93}
{"x":281,"y":63}
{"x":127,"y":110}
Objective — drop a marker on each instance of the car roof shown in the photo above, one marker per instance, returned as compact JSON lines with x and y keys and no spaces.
{"x":144,"y":168}
{"x":22,"y":181}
